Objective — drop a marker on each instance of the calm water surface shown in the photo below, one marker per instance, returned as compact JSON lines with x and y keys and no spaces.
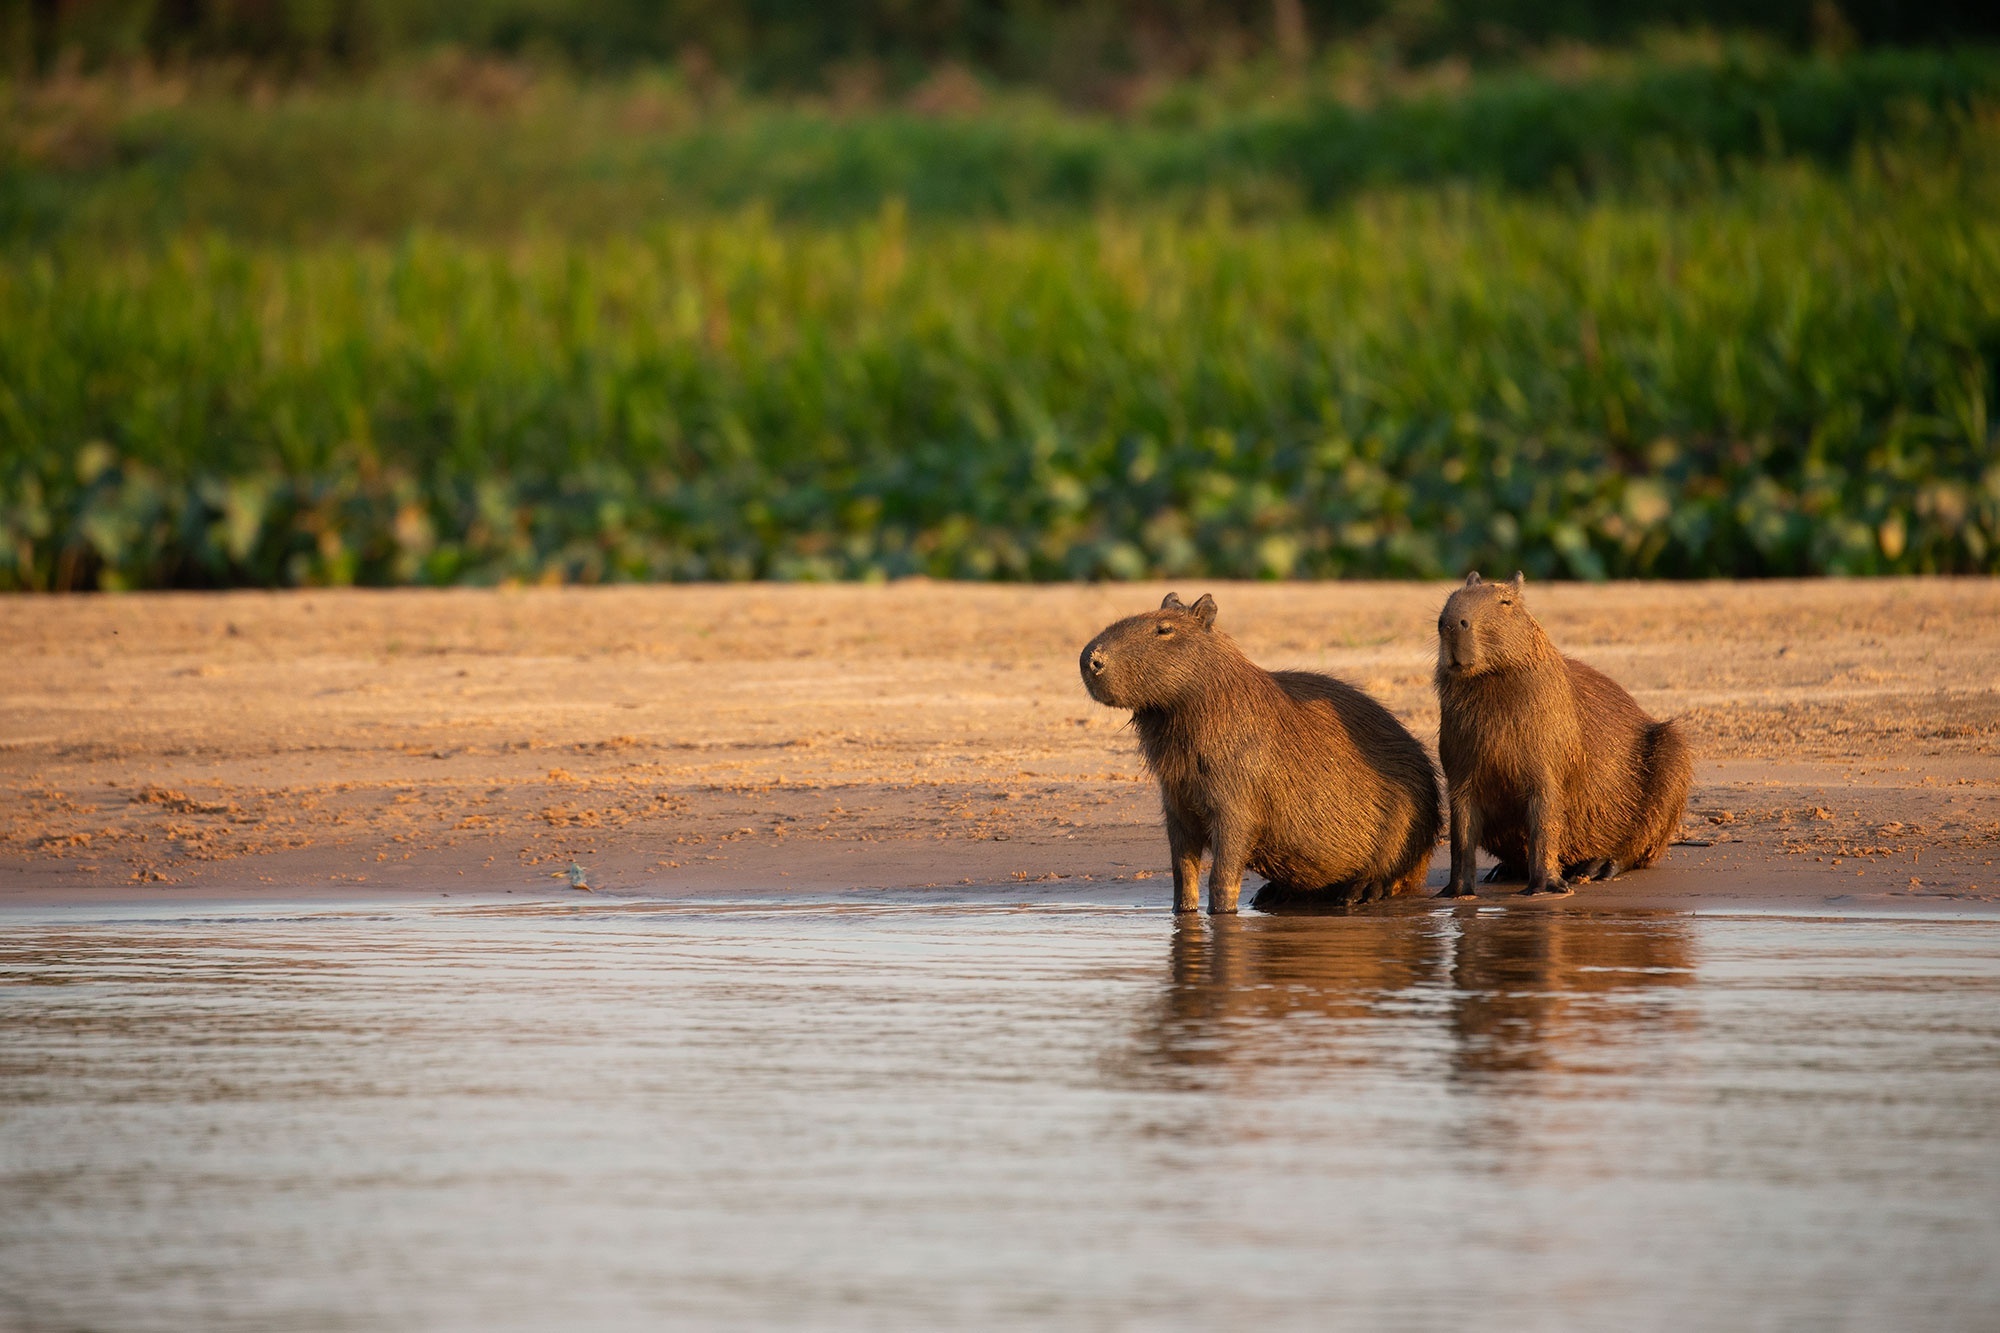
{"x":909,"y":1115}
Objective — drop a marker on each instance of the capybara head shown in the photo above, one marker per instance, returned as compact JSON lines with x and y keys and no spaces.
{"x":1151,"y":661}
{"x":1485,"y":626}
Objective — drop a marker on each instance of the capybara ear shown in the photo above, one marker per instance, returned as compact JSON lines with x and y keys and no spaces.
{"x":1517,"y":580}
{"x":1204,"y":611}
{"x":1173,"y":603}
{"x":1473,"y":580}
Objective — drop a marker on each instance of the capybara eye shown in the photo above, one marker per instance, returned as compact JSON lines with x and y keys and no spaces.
{"x":1163,"y":629}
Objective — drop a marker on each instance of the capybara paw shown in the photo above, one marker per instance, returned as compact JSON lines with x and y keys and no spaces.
{"x":1554,"y":888}
{"x":1449,"y":891}
{"x":1601,"y":868}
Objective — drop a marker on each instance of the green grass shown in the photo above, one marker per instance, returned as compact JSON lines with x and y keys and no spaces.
{"x":1789,"y":373}
{"x":480,"y":150}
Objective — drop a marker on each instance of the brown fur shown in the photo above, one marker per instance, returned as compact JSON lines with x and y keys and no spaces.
{"x":1550,"y":764}
{"x":1295,"y":775}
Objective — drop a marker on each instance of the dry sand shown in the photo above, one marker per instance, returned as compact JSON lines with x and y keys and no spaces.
{"x":918,"y":736}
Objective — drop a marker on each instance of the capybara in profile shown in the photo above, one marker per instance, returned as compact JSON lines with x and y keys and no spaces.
{"x":1295,"y":775}
{"x":1550,"y":764}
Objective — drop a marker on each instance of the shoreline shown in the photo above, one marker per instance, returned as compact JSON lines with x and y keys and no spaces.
{"x":1726,"y":880}
{"x":787,"y":739}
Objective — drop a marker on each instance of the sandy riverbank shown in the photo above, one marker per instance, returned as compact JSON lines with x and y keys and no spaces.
{"x":771,"y":738}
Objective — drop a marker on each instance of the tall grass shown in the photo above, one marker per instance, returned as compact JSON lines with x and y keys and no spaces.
{"x":481,"y":150}
{"x":1789,"y":376}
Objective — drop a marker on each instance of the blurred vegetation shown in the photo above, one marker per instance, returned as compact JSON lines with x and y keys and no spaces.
{"x":1788,"y":373}
{"x":474,"y":147}
{"x":1082,"y":50}
{"x":1696,"y":307}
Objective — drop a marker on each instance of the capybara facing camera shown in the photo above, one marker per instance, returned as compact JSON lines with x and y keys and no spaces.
{"x":1550,"y":764}
{"x":1293,"y":774}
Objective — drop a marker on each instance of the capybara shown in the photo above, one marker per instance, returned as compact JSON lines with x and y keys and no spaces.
{"x":1550,"y":764}
{"x":1295,"y":775}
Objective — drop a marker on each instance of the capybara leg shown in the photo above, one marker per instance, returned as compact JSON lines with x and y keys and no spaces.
{"x":1186,"y":848}
{"x":1464,"y":847}
{"x":1601,"y":868}
{"x":1225,"y":872}
{"x":1413,"y":881}
{"x":1544,"y":820}
{"x":1187,"y":883}
{"x":1506,"y":872}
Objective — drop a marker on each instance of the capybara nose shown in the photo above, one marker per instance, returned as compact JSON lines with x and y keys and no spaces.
{"x":1465,"y":624}
{"x":1096,"y":663}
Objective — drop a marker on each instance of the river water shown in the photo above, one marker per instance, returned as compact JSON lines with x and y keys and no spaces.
{"x":915,"y":1114}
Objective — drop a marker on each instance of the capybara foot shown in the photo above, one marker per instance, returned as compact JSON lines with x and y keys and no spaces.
{"x":1601,"y":868}
{"x":1449,"y":892}
{"x":1554,"y":888}
{"x":1505,"y":871}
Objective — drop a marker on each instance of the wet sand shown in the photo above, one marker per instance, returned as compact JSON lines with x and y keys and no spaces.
{"x":763,"y":739}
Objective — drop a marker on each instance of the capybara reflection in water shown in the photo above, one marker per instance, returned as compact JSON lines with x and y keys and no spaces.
{"x":1295,"y":775}
{"x":1551,"y":766}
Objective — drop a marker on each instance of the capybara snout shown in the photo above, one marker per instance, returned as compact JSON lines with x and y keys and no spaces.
{"x":1479,"y":628}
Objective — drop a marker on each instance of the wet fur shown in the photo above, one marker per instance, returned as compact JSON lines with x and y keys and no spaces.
{"x":1550,"y":765}
{"x":1295,"y":775}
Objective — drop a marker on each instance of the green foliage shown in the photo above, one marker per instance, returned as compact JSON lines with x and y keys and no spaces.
{"x":1787,"y":376}
{"x":792,"y":43}
{"x":475,"y":148}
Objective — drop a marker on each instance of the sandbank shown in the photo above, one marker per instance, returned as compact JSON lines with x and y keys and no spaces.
{"x":797,"y":739}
